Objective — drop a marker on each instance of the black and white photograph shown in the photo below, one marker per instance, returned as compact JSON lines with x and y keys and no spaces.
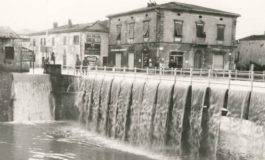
{"x":132,"y":80}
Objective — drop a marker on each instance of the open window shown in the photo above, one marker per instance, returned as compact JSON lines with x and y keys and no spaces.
{"x":9,"y":53}
{"x":178,"y":25}
{"x":118,"y":38}
{"x":146,"y":30}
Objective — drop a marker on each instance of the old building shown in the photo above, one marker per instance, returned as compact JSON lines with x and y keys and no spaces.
{"x":249,"y":50}
{"x":183,"y":34}
{"x":72,"y":41}
{"x":13,"y":56}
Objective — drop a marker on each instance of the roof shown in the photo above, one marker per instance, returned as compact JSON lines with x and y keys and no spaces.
{"x":181,"y":7}
{"x":93,"y":27}
{"x":253,"y":38}
{"x":7,"y":32}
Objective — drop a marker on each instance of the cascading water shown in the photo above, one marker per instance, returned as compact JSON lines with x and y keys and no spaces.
{"x":173,"y":118}
{"x":33,"y":100}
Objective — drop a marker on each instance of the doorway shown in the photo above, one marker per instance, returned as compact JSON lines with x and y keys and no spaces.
{"x":218,"y":61}
{"x":118,"y":60}
{"x":198,"y":59}
{"x":176,"y":60}
{"x":131,"y":60}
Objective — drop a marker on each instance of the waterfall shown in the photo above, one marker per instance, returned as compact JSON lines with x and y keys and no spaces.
{"x":33,"y":98}
{"x":166,"y":116}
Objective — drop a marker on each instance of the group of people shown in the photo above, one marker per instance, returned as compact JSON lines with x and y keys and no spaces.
{"x":84,"y":64}
{"x":47,"y":60}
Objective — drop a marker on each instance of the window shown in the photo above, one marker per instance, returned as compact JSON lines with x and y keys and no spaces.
{"x":118,"y":33}
{"x":178,"y":25}
{"x":64,"y":58}
{"x":76,"y":39}
{"x":220,"y":32}
{"x":131,"y":30}
{"x":146,"y":29}
{"x":200,"y":30}
{"x":64,"y":40}
{"x":9,"y":53}
{"x":53,"y":41}
{"x":33,"y":42}
{"x":43,"y":42}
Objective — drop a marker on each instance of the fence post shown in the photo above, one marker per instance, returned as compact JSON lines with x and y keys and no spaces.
{"x":147,"y":70}
{"x":135,"y":70}
{"x":200,"y":73}
{"x":124,"y":69}
{"x":229,"y":79}
{"x":181,"y":72}
{"x":155,"y":70}
{"x":252,"y":80}
{"x":191,"y":74}
{"x":209,"y":77}
{"x":236,"y":74}
{"x":160,"y":71}
{"x":263,"y":75}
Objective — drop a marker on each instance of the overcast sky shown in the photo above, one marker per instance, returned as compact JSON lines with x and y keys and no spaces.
{"x":40,"y":14}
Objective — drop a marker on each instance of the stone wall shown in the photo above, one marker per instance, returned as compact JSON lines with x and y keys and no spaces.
{"x":5,"y":96}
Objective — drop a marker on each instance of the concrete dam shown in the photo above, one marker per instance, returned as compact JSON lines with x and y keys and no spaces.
{"x":171,"y":118}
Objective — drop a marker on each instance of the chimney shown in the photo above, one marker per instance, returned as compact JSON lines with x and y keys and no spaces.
{"x":70,"y":23}
{"x":55,"y":24}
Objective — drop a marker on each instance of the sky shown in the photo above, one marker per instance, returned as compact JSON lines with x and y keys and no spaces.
{"x":39,"y":15}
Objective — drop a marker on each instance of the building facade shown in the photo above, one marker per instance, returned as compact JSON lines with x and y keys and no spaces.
{"x":71,"y":42}
{"x":13,"y":55}
{"x":176,"y":34}
{"x":250,"y":50}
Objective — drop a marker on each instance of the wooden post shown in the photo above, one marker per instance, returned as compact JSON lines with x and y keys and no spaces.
{"x":200,"y":73}
{"x":236,"y":73}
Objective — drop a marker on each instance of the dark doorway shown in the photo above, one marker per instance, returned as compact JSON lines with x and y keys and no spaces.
{"x":177,"y":59}
{"x":198,"y":59}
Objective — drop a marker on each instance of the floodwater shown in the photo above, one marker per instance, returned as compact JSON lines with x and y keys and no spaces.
{"x":56,"y":141}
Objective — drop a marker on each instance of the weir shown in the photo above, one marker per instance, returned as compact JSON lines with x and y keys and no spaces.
{"x":169,"y":117}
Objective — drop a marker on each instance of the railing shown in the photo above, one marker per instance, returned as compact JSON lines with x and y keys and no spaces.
{"x":199,"y":73}
{"x":229,"y":78}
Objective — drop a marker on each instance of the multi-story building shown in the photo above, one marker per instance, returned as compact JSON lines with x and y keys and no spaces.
{"x":72,"y":41}
{"x":250,"y":50}
{"x":13,"y":55}
{"x":183,"y":34}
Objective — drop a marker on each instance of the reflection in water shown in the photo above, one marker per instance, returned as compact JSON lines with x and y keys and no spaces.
{"x":56,"y":141}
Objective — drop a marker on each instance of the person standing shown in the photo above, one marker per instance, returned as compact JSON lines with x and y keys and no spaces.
{"x":85,"y":65}
{"x":77,"y":64}
{"x":53,"y":57}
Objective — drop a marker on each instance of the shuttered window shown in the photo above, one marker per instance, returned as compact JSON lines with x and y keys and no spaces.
{"x":220,"y":32}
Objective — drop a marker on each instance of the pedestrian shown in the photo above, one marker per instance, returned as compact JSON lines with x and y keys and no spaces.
{"x":53,"y":57}
{"x":85,"y":65}
{"x":172,"y":64}
{"x":77,"y":64}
